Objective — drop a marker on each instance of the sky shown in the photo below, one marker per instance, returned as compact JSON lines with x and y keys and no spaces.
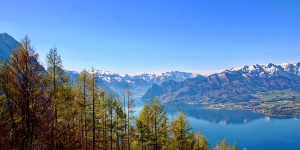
{"x":137,"y":36}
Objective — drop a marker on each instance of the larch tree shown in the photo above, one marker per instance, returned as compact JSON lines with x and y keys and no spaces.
{"x":94,"y":94}
{"x":68,"y":115}
{"x":130,"y":117}
{"x":120,"y":116}
{"x":42,"y":109}
{"x":180,"y":128}
{"x":159,"y":129}
{"x":143,"y":126}
{"x":24,"y":94}
{"x":115,"y":112}
{"x":152,"y":127}
{"x":83,"y":83}
{"x":55,"y":81}
{"x":223,"y":145}
{"x":200,"y":142}
{"x":103,"y":119}
{"x":7,"y":109}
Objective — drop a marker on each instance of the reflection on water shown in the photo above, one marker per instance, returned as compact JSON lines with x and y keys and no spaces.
{"x":216,"y":116}
{"x":251,"y":130}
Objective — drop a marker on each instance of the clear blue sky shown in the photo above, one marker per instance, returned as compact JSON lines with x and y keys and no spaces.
{"x":133,"y":36}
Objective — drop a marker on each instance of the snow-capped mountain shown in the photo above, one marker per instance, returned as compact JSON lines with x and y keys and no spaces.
{"x":113,"y":82}
{"x":151,"y":78}
{"x":230,"y":85}
{"x":269,"y":70}
{"x":163,"y":77}
{"x":139,"y":84}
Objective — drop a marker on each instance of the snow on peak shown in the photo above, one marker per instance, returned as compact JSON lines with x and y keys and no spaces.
{"x":123,"y":75}
{"x":266,"y":70}
{"x":236,"y":68}
{"x":104,"y":72}
{"x":286,"y":64}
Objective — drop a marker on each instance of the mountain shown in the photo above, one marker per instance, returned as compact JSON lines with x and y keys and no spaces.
{"x":233,"y":85}
{"x":7,"y":45}
{"x":269,"y":70}
{"x":113,"y":82}
{"x":139,"y":84}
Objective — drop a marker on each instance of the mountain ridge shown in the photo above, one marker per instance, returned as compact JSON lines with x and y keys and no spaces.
{"x":113,"y":82}
{"x":255,"y":76}
{"x":139,"y":84}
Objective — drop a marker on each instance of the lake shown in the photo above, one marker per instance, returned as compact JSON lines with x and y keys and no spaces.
{"x":250,"y":130}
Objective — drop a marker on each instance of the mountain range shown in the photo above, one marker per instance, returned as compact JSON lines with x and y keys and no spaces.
{"x":113,"y":82}
{"x":236,"y":84}
{"x":268,"y":88}
{"x":139,"y":84}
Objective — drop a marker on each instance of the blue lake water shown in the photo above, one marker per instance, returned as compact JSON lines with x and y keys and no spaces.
{"x":250,"y":130}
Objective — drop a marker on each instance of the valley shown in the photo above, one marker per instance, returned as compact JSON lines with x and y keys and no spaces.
{"x":269,"y":88}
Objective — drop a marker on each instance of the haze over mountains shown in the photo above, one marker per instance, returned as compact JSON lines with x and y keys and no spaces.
{"x":139,"y":84}
{"x":113,"y":82}
{"x":236,"y":84}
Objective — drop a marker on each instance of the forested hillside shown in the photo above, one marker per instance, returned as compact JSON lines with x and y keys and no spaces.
{"x":42,"y":109}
